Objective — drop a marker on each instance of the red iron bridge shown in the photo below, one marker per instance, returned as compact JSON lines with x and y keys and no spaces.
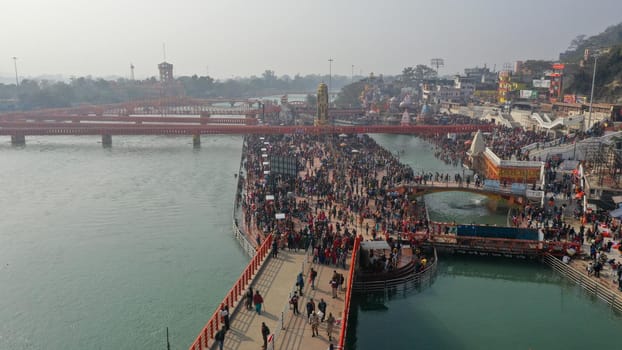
{"x":176,"y":119}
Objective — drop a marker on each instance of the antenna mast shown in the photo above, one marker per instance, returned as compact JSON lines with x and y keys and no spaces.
{"x":437,"y":62}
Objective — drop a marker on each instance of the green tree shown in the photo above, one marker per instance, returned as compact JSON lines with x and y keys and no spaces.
{"x":349,"y":96}
{"x":423,"y":72}
{"x":576,"y":42}
{"x":408,"y":75}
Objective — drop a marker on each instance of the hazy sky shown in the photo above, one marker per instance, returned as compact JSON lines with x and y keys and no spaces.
{"x":241,"y":38}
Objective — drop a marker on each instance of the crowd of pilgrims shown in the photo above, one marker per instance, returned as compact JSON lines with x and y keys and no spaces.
{"x":345,"y":186}
{"x":505,"y":142}
{"x":352,"y":184}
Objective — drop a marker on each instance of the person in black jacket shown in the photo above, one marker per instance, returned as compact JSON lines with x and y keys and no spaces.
{"x":265,"y":332}
{"x":220,"y":337}
{"x":310,"y":308}
{"x":322,"y":306}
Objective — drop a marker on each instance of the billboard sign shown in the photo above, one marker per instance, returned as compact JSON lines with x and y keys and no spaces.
{"x":529,"y":94}
{"x":541,"y":83}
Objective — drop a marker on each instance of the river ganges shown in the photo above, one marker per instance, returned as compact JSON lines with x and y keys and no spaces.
{"x":105,"y":248}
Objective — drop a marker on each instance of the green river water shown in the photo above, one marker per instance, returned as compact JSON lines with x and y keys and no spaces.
{"x":105,"y":248}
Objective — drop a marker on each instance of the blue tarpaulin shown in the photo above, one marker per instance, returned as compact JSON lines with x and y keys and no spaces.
{"x":616,"y":213}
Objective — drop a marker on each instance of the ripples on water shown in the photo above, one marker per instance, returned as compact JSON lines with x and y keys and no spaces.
{"x":487,"y":303}
{"x":105,"y":248}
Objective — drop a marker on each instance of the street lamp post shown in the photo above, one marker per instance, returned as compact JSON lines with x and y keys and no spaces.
{"x":589,"y":123}
{"x":330,"y":76}
{"x":16,"y":77}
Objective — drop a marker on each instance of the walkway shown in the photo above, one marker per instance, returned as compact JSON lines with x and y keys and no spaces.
{"x":297,"y":334}
{"x":275,"y":282}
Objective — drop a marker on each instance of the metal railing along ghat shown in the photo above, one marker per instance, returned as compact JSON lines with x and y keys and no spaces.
{"x":348,"y":296}
{"x":588,"y":284}
{"x":234,"y":296}
{"x":240,"y":236}
{"x":248,"y":248}
{"x":408,"y":283}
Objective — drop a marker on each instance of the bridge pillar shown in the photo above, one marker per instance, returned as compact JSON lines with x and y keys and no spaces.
{"x":106,"y":140}
{"x":196,"y":140}
{"x":18,"y":140}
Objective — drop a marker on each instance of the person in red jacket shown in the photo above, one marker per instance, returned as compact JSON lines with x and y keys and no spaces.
{"x":258,"y":301}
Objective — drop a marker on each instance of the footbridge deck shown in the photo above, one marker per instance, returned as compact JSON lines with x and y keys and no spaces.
{"x":275,"y":278}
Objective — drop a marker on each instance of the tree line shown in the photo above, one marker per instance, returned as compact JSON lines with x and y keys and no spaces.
{"x":37,"y":94}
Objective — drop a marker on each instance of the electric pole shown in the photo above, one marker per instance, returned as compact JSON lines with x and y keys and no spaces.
{"x":16,"y":77}
{"x":330,"y":76}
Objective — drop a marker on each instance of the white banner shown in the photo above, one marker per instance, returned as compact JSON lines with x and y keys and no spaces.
{"x":534,"y":194}
{"x":541,"y":83}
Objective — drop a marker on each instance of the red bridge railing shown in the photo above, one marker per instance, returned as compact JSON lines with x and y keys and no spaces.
{"x":348,"y":295}
{"x":233,"y":296}
{"x":76,"y":128}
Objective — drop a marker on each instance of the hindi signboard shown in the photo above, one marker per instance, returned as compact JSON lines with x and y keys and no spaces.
{"x":529,"y":94}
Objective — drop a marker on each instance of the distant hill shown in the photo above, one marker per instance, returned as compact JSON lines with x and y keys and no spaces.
{"x":578,"y":80}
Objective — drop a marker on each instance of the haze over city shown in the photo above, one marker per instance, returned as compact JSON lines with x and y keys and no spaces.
{"x":230,"y":38}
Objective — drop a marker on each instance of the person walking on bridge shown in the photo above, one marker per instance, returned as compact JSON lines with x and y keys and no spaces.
{"x":310,"y":308}
{"x":258,"y":301}
{"x":220,"y":337}
{"x":275,"y":248}
{"x":300,"y":283}
{"x":294,"y":303}
{"x":249,"y":298}
{"x":315,"y":323}
{"x":224,"y":314}
{"x":312,"y":276}
{"x":265,"y":332}
{"x":334,"y":284}
{"x":322,"y":307}
{"x":330,"y":324}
